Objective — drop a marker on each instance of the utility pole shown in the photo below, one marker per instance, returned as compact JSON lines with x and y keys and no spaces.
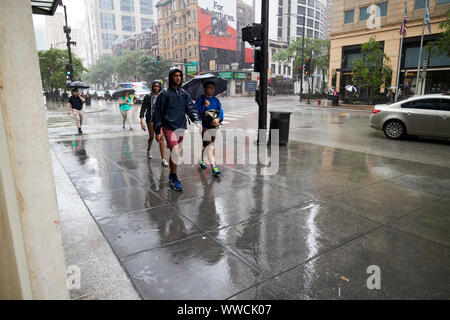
{"x":67,"y":32}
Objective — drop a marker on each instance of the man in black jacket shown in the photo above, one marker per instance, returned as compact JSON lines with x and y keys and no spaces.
{"x":169,"y":119}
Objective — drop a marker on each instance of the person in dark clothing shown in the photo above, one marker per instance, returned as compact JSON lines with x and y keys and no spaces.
{"x":76,"y":106}
{"x":169,"y":119}
{"x":147,"y":111}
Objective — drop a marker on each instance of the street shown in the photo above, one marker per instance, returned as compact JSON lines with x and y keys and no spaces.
{"x":345,"y":201}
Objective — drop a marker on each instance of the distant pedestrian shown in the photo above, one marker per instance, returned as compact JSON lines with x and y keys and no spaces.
{"x":389,"y":96}
{"x":147,"y":111}
{"x":76,"y":106}
{"x":125,"y":103}
{"x":170,"y":120}
{"x":210,"y":111}
{"x":400,"y":94}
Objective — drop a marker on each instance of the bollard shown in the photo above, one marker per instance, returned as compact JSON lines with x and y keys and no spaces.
{"x":319,"y":102}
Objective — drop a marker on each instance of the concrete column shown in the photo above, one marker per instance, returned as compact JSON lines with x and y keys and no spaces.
{"x":32,"y":264}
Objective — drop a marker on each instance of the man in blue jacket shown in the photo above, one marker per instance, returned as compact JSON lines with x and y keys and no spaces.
{"x":169,"y":120}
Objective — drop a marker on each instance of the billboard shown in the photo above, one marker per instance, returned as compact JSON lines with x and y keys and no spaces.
{"x":249,"y":57}
{"x":217,"y":24}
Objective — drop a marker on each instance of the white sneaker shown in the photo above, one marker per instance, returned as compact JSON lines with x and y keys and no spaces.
{"x":165,"y":163}
{"x":149,"y":155}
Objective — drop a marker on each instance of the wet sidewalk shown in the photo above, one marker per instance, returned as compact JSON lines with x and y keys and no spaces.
{"x":309,"y":232}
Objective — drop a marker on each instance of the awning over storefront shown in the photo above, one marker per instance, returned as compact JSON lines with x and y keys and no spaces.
{"x":45,"y":7}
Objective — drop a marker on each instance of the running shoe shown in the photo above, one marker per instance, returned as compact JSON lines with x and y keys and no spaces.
{"x":202,"y":164}
{"x":149,"y":155}
{"x":175,"y":183}
{"x":216,"y":172}
{"x":165,"y":163}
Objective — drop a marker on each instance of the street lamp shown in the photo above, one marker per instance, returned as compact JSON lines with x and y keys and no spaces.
{"x":67,"y":31}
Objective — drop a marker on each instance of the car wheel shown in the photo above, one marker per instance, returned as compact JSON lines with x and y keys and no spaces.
{"x":394,"y":129}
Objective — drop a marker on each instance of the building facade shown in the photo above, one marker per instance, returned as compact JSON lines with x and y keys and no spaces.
{"x":286,"y":23}
{"x":109,"y":19}
{"x":353,"y":25}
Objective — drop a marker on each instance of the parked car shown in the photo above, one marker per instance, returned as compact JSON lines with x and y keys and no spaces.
{"x":427,"y":115}
{"x":100,"y":94}
{"x":139,"y":94}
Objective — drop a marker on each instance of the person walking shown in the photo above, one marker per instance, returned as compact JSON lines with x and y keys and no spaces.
{"x":147,"y":111}
{"x":210,"y":111}
{"x":170,"y":120}
{"x":76,"y":106}
{"x":125,"y":103}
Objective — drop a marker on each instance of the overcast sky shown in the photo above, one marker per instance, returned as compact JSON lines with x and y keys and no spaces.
{"x":76,"y":13}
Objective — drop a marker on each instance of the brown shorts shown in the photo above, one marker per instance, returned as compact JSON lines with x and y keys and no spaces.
{"x":209,"y":136}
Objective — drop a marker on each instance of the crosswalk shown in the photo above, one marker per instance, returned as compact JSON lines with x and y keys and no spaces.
{"x":238,"y":114}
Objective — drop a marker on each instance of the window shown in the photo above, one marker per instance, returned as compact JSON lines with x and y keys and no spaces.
{"x":317,"y":15}
{"x":316,"y":35}
{"x":423,"y":104}
{"x":349,"y":16}
{"x":419,"y":4}
{"x":311,"y":2}
{"x":363,"y":13}
{"x":279,"y":69}
{"x":309,"y":33}
{"x":442,"y":1}
{"x":310,"y":12}
{"x":146,"y":6}
{"x":301,"y":10}
{"x":128,"y":23}
{"x":316,"y":24}
{"x":280,"y":22}
{"x":106,"y":4}
{"x":383,"y":9}
{"x":107,"y":21}
{"x":272,"y":69}
{"x":445,"y":104}
{"x":280,"y":32}
{"x":300,"y":20}
{"x":299,"y":1}
{"x":146,"y":24}
{"x":310,"y":23}
{"x":127,"y":5}
{"x":107,"y":40}
{"x":299,"y":31}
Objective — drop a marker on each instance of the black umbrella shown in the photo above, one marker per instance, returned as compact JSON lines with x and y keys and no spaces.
{"x":121,"y":92}
{"x":195,"y":86}
{"x":78,"y":84}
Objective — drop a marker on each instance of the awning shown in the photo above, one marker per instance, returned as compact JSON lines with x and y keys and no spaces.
{"x":45,"y":7}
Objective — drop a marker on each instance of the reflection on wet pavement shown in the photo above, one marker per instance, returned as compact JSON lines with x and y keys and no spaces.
{"x":325,"y":216}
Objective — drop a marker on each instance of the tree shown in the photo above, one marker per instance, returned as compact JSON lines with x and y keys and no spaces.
{"x":149,"y":69}
{"x":317,"y":50}
{"x":125,"y":66}
{"x":442,"y":45}
{"x":372,"y":70}
{"x":52,"y":64}
{"x":102,"y":72}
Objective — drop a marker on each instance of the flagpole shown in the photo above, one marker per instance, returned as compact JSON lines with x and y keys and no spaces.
{"x":420,"y":51}
{"x":400,"y":55}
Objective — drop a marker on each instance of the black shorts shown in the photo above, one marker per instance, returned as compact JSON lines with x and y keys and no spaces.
{"x":209,"y":137}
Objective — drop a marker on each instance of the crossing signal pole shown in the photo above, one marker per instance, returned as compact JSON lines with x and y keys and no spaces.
{"x":257,"y":35}
{"x":67,"y":30}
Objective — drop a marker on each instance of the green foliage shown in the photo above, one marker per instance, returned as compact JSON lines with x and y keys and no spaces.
{"x":371,"y":71}
{"x":52,"y":65}
{"x":317,"y":50}
{"x":102,"y":72}
{"x":442,"y":45}
{"x":131,"y":66}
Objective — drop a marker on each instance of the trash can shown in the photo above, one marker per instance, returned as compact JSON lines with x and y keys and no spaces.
{"x":88,"y":101}
{"x":280,"y":121}
{"x":335,"y":101}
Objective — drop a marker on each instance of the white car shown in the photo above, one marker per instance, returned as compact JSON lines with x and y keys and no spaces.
{"x":140,"y":93}
{"x":427,"y":115}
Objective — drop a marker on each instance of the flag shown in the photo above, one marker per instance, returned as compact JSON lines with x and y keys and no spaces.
{"x":427,"y":19}
{"x":403,"y":27}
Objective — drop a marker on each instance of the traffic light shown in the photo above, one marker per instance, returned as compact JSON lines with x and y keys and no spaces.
{"x":307,"y":66}
{"x":253,"y":34}
{"x":257,"y":65}
{"x":300,"y":69}
{"x":158,"y":59}
{"x":69,"y":71}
